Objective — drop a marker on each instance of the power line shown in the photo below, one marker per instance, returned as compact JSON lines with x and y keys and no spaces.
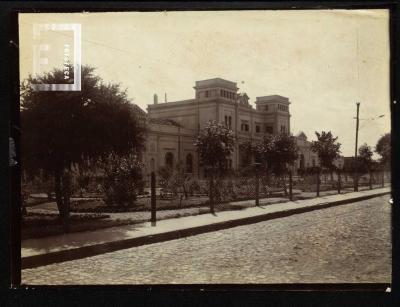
{"x":128,"y":52}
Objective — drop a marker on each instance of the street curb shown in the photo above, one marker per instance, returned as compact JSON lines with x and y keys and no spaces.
{"x":93,"y":250}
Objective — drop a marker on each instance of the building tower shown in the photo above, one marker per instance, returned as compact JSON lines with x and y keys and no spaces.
{"x":155,"y":99}
{"x":279,"y":107}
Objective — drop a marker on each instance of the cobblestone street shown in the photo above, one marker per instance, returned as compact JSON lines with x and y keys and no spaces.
{"x":349,"y":243}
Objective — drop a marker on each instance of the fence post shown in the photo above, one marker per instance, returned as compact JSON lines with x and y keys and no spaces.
{"x":370,"y":179}
{"x":257,"y":185}
{"x":355,"y":178}
{"x":318,"y":174}
{"x":383,"y":178}
{"x":212,"y":210}
{"x":339,"y":180}
{"x":153,"y":199}
{"x":290,"y":185}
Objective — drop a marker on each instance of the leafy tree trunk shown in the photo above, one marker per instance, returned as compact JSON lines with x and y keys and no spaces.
{"x":267,"y":176}
{"x":57,"y":190}
{"x":212,"y":193}
{"x":63,"y":190}
{"x":331,"y":174}
{"x":185,"y":192}
{"x":284,"y":184}
{"x":66,"y":195}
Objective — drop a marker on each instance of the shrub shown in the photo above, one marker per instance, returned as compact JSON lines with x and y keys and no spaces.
{"x":194,"y":187}
{"x":122,"y":179}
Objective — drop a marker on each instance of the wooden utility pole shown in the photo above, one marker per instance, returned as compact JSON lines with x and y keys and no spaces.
{"x":356,"y":149}
{"x":290,"y":186}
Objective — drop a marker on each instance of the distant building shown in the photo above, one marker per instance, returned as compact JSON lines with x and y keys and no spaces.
{"x":339,"y":162}
{"x":307,"y":158}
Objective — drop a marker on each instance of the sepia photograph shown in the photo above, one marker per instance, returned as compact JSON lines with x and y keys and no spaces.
{"x":230,"y":147}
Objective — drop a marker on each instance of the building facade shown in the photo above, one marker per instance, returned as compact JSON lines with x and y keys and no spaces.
{"x":173,"y":126}
{"x":307,"y":158}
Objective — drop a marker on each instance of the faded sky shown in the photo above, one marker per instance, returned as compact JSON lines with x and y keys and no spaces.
{"x":312,"y":57}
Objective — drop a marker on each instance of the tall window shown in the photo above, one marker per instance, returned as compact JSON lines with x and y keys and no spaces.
{"x":269,"y":129}
{"x":189,"y":163}
{"x":302,"y":161}
{"x":257,"y":129}
{"x":266,"y":108}
{"x":230,"y":121}
{"x":169,"y":159}
{"x":152,"y":165}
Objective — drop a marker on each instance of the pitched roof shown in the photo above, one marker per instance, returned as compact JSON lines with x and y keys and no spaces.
{"x":301,"y":135}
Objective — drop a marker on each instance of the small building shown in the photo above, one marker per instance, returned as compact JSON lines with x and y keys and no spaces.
{"x":306,"y":157}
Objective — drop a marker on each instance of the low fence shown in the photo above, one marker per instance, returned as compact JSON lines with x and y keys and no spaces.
{"x":259,"y":185}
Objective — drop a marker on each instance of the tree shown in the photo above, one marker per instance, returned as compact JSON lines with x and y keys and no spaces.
{"x":122,"y":179}
{"x":215,"y":144}
{"x":327,"y":148}
{"x":63,"y":129}
{"x":175,"y":179}
{"x":247,"y":150}
{"x":383,"y":148}
{"x":365,"y":161}
{"x":365,"y":156}
{"x":263,"y":153}
{"x":165,"y":173}
{"x":282,"y":151}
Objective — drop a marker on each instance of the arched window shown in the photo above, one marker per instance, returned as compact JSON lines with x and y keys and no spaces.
{"x":301,"y":161}
{"x":189,"y":163}
{"x":169,"y":159}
